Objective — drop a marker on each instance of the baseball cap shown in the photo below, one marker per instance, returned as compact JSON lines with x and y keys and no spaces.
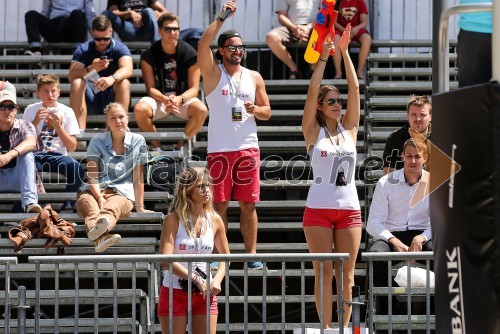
{"x":223,"y":38}
{"x":7,"y":92}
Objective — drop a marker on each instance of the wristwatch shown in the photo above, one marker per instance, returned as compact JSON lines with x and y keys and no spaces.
{"x":115,"y":76}
{"x":184,"y":100}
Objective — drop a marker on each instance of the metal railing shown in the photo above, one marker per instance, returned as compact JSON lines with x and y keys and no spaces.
{"x":5,"y":264}
{"x":93,"y":267}
{"x":408,"y":292}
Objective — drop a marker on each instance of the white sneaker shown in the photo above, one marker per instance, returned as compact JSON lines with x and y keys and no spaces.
{"x":105,"y":241}
{"x":33,"y":208}
{"x":99,"y":229}
{"x":31,"y":53}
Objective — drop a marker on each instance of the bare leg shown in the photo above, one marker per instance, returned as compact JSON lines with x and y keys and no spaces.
{"x":180,"y":324}
{"x":366,"y":42}
{"x":320,"y":240}
{"x":199,"y":324}
{"x":337,"y":59}
{"x":77,"y":101}
{"x":144,"y":118}
{"x":347,"y":241}
{"x":276,"y":45}
{"x":197,"y":113}
{"x":122,"y":93}
{"x":248,"y":226}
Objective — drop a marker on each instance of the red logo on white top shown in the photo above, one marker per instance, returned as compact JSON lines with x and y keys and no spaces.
{"x":182,"y":247}
{"x":225,"y":91}
{"x":323,"y":154}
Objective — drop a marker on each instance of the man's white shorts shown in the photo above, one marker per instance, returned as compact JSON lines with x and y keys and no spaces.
{"x":160,"y":111}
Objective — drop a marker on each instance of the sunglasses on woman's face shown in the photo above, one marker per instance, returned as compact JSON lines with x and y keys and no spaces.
{"x":331,"y":102}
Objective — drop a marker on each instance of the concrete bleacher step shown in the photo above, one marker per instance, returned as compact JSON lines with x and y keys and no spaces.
{"x":400,"y":322}
{"x":104,"y":325}
{"x":68,"y":196}
{"x":81,"y":246}
{"x":402,"y":86}
{"x":404,"y":71}
{"x":404,"y":57}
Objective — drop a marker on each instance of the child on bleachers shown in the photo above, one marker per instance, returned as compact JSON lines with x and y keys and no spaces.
{"x":115,"y":172}
{"x":56,"y":127}
{"x":192,"y":227}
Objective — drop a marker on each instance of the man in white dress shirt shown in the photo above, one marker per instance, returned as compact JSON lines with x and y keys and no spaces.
{"x":399,"y":219}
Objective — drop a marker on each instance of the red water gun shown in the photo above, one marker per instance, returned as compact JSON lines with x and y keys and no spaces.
{"x":325,"y":23}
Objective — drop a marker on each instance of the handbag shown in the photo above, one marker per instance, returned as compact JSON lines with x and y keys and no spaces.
{"x":162,"y":172}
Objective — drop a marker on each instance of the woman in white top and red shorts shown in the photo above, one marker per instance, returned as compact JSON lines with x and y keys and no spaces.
{"x":332,"y":215}
{"x":192,"y":227}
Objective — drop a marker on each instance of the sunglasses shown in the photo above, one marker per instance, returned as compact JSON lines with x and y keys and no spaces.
{"x":8,"y":107}
{"x":232,"y":48}
{"x":331,"y":102}
{"x":170,"y":29}
{"x":100,"y":39}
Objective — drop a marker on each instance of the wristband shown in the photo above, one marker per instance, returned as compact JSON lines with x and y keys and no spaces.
{"x":325,"y":60}
{"x":138,"y":206}
{"x":18,"y":154}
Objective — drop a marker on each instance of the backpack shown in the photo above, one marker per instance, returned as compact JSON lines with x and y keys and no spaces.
{"x":162,"y":172}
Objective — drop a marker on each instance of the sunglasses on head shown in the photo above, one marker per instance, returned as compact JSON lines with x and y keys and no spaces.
{"x":331,"y":102}
{"x":100,"y":39}
{"x":170,"y":29}
{"x":8,"y":107}
{"x":232,"y":48}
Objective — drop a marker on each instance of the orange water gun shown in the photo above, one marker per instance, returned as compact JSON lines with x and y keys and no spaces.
{"x":325,"y":23}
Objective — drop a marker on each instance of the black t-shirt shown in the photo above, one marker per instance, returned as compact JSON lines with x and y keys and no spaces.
{"x":171,"y":70}
{"x":135,"y":5}
{"x":5,"y":147}
{"x":394,"y":147}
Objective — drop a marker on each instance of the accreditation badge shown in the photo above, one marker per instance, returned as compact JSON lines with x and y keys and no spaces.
{"x":236,"y":113}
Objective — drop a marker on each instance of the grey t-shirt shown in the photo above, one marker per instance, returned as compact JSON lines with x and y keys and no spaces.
{"x":298,"y":11}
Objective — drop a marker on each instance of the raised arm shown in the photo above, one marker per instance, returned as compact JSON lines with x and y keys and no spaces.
{"x":208,"y":66}
{"x":350,"y":121}
{"x":310,"y":126}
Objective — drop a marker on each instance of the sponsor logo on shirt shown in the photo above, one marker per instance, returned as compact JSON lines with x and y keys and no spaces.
{"x":225,"y":91}
{"x":182,"y":247}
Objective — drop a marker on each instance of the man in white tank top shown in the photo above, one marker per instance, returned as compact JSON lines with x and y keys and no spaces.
{"x":236,"y":96}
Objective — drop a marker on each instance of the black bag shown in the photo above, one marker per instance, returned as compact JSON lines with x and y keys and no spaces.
{"x":162,"y":172}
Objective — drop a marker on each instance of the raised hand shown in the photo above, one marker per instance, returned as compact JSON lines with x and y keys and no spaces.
{"x":345,"y":39}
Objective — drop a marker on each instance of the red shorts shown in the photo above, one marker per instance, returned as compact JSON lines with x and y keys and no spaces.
{"x":198,"y":304}
{"x":354,"y":38}
{"x":235,"y":175}
{"x":332,"y":218}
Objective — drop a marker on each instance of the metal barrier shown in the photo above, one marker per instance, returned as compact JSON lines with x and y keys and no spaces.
{"x":149,"y":265}
{"x":408,"y":291}
{"x":6,"y":262}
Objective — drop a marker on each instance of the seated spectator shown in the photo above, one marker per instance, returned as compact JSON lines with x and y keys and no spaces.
{"x":296,"y":18}
{"x":59,"y":21}
{"x":56,"y":128}
{"x":135,"y":20}
{"x":111,"y":60}
{"x":419,"y":110}
{"x":395,"y":222}
{"x":355,"y":13}
{"x":115,"y":172}
{"x":192,"y":227}
{"x":172,"y":79}
{"x":17,"y":162}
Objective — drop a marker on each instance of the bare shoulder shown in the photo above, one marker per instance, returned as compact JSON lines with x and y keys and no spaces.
{"x":171,"y":221}
{"x":217,"y":221}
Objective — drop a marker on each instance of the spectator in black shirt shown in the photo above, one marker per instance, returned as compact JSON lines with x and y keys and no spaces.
{"x":419,"y":109}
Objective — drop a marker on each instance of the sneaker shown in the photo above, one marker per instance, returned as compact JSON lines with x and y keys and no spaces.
{"x":32,"y":53}
{"x":256,"y":265}
{"x":214,"y":265}
{"x":33,"y":208}
{"x":99,"y":229}
{"x":105,"y":241}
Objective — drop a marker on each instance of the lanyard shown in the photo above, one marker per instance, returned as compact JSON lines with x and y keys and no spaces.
{"x":198,"y":242}
{"x":338,"y":149}
{"x":232,"y":90}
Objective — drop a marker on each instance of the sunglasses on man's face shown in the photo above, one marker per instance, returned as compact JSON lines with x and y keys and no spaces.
{"x":100,"y":39}
{"x":331,"y":102}
{"x":8,"y":107}
{"x":170,"y":29}
{"x":232,"y":48}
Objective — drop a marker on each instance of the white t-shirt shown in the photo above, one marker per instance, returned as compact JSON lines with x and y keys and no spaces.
{"x":49,"y":138}
{"x":298,"y":11}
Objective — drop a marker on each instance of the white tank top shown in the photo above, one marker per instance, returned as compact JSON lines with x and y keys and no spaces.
{"x":326,"y":161}
{"x":224,"y":134}
{"x":184,"y":244}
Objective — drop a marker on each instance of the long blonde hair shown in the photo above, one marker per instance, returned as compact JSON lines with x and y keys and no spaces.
{"x":182,"y":202}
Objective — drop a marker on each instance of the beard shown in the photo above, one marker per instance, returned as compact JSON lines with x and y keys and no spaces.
{"x":232,"y":61}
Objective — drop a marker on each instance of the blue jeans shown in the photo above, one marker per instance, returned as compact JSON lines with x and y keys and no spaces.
{"x":57,"y":163}
{"x":97,"y":102}
{"x":128,"y":32}
{"x":21,"y":179}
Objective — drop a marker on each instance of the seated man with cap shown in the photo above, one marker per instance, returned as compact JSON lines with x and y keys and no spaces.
{"x":17,"y":161}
